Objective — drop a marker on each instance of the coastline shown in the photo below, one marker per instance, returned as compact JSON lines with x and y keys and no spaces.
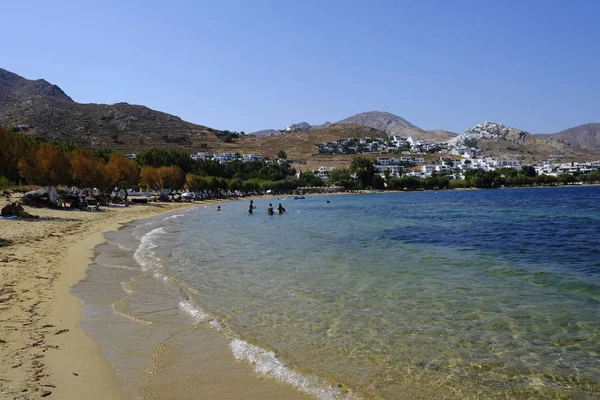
{"x":43,"y":352}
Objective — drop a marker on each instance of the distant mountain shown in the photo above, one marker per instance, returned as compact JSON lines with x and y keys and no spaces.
{"x":50,"y":113}
{"x":395,"y":125}
{"x":265,"y":133}
{"x":383,"y":121}
{"x":586,"y":136}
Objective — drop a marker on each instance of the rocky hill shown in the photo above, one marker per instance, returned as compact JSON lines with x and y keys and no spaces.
{"x":501,"y":141}
{"x":49,"y":113}
{"x":586,"y":136}
{"x":14,"y":88}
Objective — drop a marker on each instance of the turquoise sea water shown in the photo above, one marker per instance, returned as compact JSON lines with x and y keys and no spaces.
{"x":458,"y":294}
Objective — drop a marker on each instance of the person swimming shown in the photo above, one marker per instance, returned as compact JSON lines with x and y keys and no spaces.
{"x":280,"y":209}
{"x":270,"y":209}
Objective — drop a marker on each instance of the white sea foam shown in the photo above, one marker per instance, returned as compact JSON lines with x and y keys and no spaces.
{"x":175,"y":216}
{"x":217,"y":325}
{"x":189,"y":309}
{"x":160,"y":277}
{"x":119,"y":267}
{"x":127,"y":287}
{"x":266,"y":363}
{"x":134,"y":318}
{"x":119,"y":245}
{"x":145,"y":254}
{"x":137,"y":229}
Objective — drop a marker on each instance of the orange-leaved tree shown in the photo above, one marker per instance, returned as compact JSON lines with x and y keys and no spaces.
{"x":45,"y":165}
{"x":172,"y":177}
{"x":150,"y":178}
{"x":120,"y":172}
{"x":194,"y":182}
{"x":162,"y":177}
{"x":87,"y":169}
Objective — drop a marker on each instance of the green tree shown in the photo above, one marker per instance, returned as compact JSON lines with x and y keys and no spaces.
{"x":365,"y":171}
{"x":309,"y":179}
{"x":528,"y":170}
{"x":282,"y":155}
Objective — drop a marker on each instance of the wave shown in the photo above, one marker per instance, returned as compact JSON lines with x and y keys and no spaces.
{"x":175,"y":216}
{"x":127,"y":287}
{"x":189,"y":309}
{"x":160,"y":277}
{"x":119,"y":309}
{"x":119,"y":245}
{"x":119,"y":267}
{"x":144,"y":254}
{"x":266,"y":363}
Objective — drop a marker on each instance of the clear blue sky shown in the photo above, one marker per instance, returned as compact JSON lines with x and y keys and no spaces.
{"x":250,"y":65}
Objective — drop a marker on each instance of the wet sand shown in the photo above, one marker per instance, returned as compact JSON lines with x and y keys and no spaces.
{"x":43,"y":352}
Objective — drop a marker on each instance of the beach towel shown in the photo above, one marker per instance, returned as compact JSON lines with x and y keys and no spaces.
{"x":8,"y":217}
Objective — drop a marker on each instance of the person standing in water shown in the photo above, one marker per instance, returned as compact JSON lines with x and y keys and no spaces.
{"x":218,"y":208}
{"x":270,"y":209}
{"x":280,"y":209}
{"x":251,"y":207}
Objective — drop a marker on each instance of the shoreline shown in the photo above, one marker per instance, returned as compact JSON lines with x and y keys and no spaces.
{"x":43,"y":352}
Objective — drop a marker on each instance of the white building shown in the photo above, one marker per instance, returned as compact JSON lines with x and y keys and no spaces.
{"x":251,"y":157}
{"x":201,"y":155}
{"x":323,"y":172}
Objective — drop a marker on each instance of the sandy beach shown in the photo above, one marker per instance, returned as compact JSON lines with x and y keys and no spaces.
{"x":42,"y":352}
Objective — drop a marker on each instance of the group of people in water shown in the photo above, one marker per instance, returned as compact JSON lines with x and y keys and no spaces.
{"x":270,"y":211}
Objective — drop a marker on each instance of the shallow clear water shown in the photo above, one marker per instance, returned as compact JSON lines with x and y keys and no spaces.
{"x":461,"y":294}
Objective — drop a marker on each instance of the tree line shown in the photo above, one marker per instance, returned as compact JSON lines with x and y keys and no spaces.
{"x":24,"y":160}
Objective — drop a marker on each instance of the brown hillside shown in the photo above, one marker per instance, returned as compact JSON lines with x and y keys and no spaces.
{"x":586,"y":136}
{"x":52,"y":114}
{"x":534,"y":149}
{"x":300,"y":146}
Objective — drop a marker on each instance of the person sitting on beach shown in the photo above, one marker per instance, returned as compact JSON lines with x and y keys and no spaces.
{"x":17,"y":210}
{"x":83,"y":206}
{"x":280,"y":209}
{"x":251,"y":207}
{"x":270,"y":209}
{"x":8,"y":210}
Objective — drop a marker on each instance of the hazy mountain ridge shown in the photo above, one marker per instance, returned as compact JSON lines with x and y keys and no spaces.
{"x":385,"y":122}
